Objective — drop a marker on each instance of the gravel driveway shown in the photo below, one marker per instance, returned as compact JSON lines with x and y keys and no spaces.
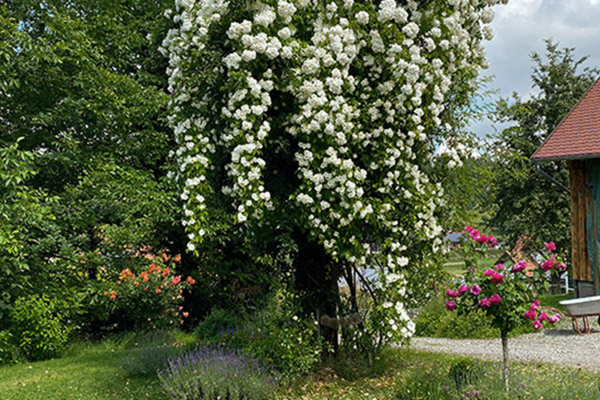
{"x":559,"y":346}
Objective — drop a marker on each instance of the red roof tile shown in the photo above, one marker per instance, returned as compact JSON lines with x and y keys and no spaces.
{"x":578,"y":135}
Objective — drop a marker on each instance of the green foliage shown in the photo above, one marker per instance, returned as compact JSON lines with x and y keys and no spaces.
{"x":525,"y":201}
{"x":218,"y":322}
{"x":9,"y":349}
{"x":41,"y":326}
{"x":434,"y":320}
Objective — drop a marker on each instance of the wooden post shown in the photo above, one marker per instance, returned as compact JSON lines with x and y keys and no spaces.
{"x":595,"y":215}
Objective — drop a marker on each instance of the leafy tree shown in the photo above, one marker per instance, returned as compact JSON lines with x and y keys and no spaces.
{"x":526,"y":201}
{"x":83,"y":84}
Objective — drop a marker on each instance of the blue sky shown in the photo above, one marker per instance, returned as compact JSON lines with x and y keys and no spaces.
{"x":520,"y":28}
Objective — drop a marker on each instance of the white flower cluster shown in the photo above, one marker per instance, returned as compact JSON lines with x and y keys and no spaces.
{"x":368,"y":85}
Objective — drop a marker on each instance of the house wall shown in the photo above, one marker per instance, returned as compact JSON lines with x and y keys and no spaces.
{"x":580,"y":205}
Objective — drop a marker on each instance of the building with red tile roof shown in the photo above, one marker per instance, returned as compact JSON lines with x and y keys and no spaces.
{"x":578,"y":134}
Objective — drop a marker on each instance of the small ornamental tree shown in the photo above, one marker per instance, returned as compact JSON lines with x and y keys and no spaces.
{"x":320,"y":120}
{"x":505,"y":293}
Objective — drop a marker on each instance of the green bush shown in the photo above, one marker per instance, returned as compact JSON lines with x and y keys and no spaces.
{"x":9,"y":351}
{"x":435,"y":321}
{"x":40,"y":325}
{"x":219,"y":322}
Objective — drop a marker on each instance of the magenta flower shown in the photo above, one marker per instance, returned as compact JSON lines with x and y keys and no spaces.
{"x":452,"y":293}
{"x":552,"y":319}
{"x":561,"y":267}
{"x":531,"y":314}
{"x":484,"y":303}
{"x":520,"y":266}
{"x":492,"y":242}
{"x":548,"y":264}
{"x":543,"y":316}
{"x":537,"y":325}
{"x":497,"y":278}
{"x":462,"y":289}
{"x":557,"y":316}
{"x":535,"y":304}
{"x":489,"y":272}
{"x":550,"y":246}
{"x":499,"y":267}
{"x":475,"y":289}
{"x":450,"y":306}
{"x":495,"y":299}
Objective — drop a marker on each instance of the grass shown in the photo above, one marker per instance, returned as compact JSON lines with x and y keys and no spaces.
{"x":86,"y":372}
{"x":92,"y":371}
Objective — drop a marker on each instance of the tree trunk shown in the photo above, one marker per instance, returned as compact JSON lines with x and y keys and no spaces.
{"x":317,"y":282}
{"x":505,"y":366}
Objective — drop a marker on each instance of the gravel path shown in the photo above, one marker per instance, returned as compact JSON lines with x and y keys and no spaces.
{"x":559,"y":346}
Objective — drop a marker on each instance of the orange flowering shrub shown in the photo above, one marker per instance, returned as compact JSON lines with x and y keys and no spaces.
{"x":151,"y":298}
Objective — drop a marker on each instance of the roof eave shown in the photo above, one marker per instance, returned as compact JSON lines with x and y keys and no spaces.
{"x":570,"y":157}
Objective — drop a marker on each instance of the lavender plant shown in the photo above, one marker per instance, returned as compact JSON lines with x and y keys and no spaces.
{"x":211,"y":372}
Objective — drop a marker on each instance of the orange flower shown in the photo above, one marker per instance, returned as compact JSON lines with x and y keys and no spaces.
{"x":165,"y":257}
{"x":106,"y":293}
{"x":190,"y":281}
{"x":158,"y":290}
{"x":136,"y":283}
{"x":177,"y":258}
{"x":113,"y":295}
{"x":118,"y":282}
{"x":175,"y":280}
{"x":152,"y":268}
{"x":145,"y":278}
{"x":166,"y":272}
{"x":186,"y":314}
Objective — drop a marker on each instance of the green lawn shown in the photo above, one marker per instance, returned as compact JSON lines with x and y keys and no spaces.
{"x":94,"y":372}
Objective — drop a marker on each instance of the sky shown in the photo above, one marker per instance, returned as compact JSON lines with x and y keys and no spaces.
{"x":520,"y":28}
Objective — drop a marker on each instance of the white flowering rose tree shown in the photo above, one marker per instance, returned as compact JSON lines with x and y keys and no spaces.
{"x":323,"y":116}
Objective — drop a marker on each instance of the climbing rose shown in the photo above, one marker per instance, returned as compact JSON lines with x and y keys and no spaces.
{"x":543,"y":316}
{"x":462,"y":289}
{"x":537,"y":325}
{"x":484,"y":303}
{"x":452,"y":293}
{"x":450,"y":306}
{"x":548,"y":264}
{"x":497,"y":278}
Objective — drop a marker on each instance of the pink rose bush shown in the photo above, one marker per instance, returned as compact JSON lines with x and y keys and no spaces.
{"x":505,"y":293}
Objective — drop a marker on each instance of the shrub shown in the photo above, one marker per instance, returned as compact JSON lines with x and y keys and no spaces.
{"x":9,"y":351}
{"x":435,"y":321}
{"x":209,"y":372}
{"x":219,"y":322}
{"x":150,"y":299}
{"x":40,"y":325}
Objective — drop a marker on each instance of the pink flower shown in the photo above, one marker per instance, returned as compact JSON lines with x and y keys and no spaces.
{"x":499,"y":267}
{"x":548,"y":264}
{"x":550,"y":246}
{"x":552,"y":319}
{"x":557,"y":316}
{"x":520,"y":266}
{"x":543,"y":316}
{"x":535,"y":305}
{"x":462,"y":289}
{"x":495,"y":299}
{"x":531,"y":314}
{"x":489,"y":272}
{"x":475,"y":289}
{"x":537,"y":325}
{"x":482,"y":239}
{"x":469,"y":228}
{"x":561,"y":267}
{"x":492,"y":242}
{"x":484,"y":303}
{"x":450,"y":306}
{"x":452,"y":293}
{"x":497,"y":278}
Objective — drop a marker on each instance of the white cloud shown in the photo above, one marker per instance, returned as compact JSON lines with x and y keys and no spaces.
{"x":520,"y":28}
